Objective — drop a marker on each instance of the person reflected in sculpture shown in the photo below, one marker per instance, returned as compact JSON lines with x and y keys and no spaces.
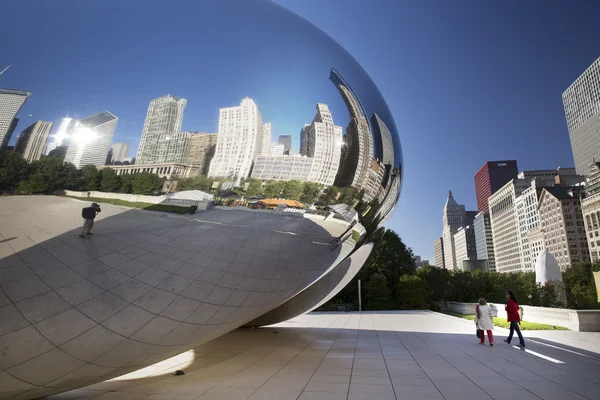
{"x":513,"y":316}
{"x":484,"y":321}
{"x":89,"y":214}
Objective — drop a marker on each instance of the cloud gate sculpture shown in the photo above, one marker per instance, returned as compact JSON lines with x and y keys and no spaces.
{"x":290,"y":142}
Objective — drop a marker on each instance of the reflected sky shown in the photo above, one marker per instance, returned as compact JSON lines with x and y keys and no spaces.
{"x":85,"y":58}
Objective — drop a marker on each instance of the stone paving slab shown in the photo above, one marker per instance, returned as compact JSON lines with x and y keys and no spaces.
{"x":386,"y":355}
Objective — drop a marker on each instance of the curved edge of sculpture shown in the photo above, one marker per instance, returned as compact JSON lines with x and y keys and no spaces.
{"x":547,"y":268}
{"x":320,"y":292}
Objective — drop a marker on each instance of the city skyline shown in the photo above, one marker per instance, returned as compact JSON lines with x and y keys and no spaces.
{"x":476,"y":84}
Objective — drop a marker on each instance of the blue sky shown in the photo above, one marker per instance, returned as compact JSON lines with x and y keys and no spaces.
{"x":466,"y":81}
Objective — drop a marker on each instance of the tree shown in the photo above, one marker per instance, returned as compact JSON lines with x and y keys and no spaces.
{"x":254,"y":187}
{"x":273,"y":189}
{"x":33,"y":185}
{"x":198,"y":182}
{"x":91,"y":177}
{"x":145,"y":183}
{"x":411,"y":292}
{"x":292,"y":190}
{"x":109,"y":180}
{"x":310,"y":192}
{"x":377,"y":294}
{"x":126,"y":182}
{"x":580,"y":286}
{"x":329,"y":195}
{"x":57,"y":174}
{"x":13,"y":169}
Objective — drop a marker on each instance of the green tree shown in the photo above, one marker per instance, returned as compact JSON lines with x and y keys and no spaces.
{"x":13,"y":169}
{"x":198,"y":182}
{"x":580,"y":286}
{"x":71,"y":177}
{"x":438,"y":281}
{"x":90,"y":177}
{"x":411,"y":292}
{"x":310,"y":192}
{"x":292,"y":190}
{"x":329,"y":195}
{"x":35,"y":184}
{"x":377,"y":294}
{"x":254,"y":187}
{"x":109,"y":180}
{"x":273,"y":189}
{"x":126,"y":183}
{"x":57,"y":175}
{"x":145,"y":183}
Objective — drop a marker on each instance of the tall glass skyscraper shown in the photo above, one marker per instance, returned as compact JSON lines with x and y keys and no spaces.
{"x":582,"y":110}
{"x":90,"y":140}
{"x":11,"y":102}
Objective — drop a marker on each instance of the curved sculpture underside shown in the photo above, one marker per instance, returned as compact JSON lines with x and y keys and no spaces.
{"x":302,"y":168}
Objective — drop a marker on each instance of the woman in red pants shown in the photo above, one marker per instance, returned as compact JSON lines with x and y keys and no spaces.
{"x":483,"y":319}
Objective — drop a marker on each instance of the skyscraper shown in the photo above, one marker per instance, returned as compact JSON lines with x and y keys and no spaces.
{"x":484,"y":240}
{"x":454,"y":217}
{"x":286,"y":141}
{"x":239,"y":140}
{"x":490,"y":178}
{"x":90,"y":140}
{"x":119,"y":152}
{"x":32,"y":140}
{"x":358,"y":140}
{"x":582,"y":110}
{"x":164,"y":119}
{"x":202,"y":150}
{"x":438,"y":251}
{"x":322,"y":141}
{"x":61,"y":135}
{"x":265,"y":142}
{"x":11,"y":102}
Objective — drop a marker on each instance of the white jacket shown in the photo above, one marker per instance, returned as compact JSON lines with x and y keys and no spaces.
{"x":484,"y":322}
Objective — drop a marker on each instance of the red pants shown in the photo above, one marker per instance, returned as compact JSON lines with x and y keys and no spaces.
{"x":490,"y":336}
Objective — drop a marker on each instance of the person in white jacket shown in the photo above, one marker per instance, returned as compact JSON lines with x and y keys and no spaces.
{"x":484,"y":321}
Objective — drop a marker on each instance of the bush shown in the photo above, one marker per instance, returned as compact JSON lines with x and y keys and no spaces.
{"x":411,"y":292}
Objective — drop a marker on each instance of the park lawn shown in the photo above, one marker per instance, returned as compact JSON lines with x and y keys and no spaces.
{"x":140,"y":205}
{"x":503,"y":323}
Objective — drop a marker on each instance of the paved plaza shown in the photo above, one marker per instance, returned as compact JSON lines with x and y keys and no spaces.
{"x":393,"y":355}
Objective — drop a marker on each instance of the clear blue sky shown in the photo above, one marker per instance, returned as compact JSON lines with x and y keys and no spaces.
{"x":466,"y":81}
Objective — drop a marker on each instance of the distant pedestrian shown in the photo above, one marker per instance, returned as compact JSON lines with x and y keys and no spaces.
{"x":513,"y":316}
{"x":484,"y":321}
{"x":89,"y":214}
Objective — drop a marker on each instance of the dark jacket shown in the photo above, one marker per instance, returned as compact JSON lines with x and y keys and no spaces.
{"x":512,"y":311}
{"x":90,"y":212}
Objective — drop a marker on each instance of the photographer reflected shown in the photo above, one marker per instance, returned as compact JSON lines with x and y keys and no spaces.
{"x":89,"y":214}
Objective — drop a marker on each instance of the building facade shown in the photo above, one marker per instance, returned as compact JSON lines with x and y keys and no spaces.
{"x":31,"y":142}
{"x":552,"y":177}
{"x":201,"y":150}
{"x":438,"y":253}
{"x":283,"y":168}
{"x":562,"y":224}
{"x":590,"y":206}
{"x":239,"y":141}
{"x":11,"y":102}
{"x":484,"y":241}
{"x":464,"y":245}
{"x":61,"y":134}
{"x":90,"y":140}
{"x":454,"y":217}
{"x":276,"y":149}
{"x":165,"y":170}
{"x":581,"y":101}
{"x":265,"y":142}
{"x":286,"y":141}
{"x":321,"y":140}
{"x":163,"y":120}
{"x":529,"y":219}
{"x":119,"y":152}
{"x":178,"y":147}
{"x":490,"y":178}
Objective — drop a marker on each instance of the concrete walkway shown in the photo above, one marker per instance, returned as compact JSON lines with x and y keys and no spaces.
{"x":390,"y":355}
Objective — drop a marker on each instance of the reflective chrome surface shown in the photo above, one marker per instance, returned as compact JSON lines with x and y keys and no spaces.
{"x":292,"y":144}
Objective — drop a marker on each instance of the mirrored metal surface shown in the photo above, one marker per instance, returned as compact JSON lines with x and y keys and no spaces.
{"x":247,"y":114}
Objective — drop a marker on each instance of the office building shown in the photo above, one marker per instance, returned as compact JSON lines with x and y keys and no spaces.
{"x":276,"y":150}
{"x":286,"y":141}
{"x":372,"y":186}
{"x":265,"y":142}
{"x":553,"y":177}
{"x":321,"y":140}
{"x":490,"y":178}
{"x":11,"y":102}
{"x":90,"y":139}
{"x":163,"y":120}
{"x":562,"y":225}
{"x":283,"y":168}
{"x":358,"y":140}
{"x":438,"y":253}
{"x":240,"y":138}
{"x":590,"y":206}
{"x":60,"y":134}
{"x":526,"y":206}
{"x":454,"y":217}
{"x":582,"y":110}
{"x":31,"y":142}
{"x":201,"y":150}
{"x":119,"y":152}
{"x":178,"y":147}
{"x":484,"y":240}
{"x":464,"y":245}
{"x":164,"y":170}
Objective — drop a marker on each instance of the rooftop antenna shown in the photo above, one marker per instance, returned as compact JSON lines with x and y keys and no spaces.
{"x":4,"y":70}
